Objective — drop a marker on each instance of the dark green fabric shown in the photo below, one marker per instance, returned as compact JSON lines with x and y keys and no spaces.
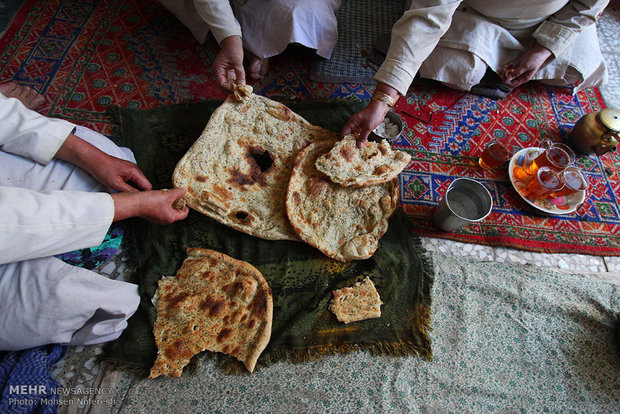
{"x":300,"y":276}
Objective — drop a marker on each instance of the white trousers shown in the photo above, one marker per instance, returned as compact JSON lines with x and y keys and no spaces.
{"x":268,"y":27}
{"x":45,"y":300}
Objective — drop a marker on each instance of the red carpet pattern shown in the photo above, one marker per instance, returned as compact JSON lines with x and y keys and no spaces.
{"x":85,"y":56}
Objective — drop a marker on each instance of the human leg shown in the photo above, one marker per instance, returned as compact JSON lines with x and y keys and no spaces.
{"x":45,"y":301}
{"x":269,"y":27}
{"x":457,"y":69}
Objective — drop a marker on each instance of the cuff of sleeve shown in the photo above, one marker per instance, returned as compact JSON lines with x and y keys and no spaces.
{"x":58,"y":135}
{"x":221,"y":33}
{"x":395,"y":76}
{"x":554,"y":37}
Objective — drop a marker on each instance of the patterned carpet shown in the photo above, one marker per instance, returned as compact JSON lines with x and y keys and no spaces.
{"x":88,"y":55}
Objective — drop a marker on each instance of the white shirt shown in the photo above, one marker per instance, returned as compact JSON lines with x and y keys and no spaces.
{"x":495,"y":31}
{"x":37,"y":224}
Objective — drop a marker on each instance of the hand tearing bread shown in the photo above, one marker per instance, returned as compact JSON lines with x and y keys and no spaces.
{"x":351,"y":166}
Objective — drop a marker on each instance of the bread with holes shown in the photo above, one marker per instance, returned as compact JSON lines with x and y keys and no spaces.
{"x":238,"y":170}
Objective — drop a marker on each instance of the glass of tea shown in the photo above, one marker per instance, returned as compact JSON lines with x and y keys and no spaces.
{"x":544,"y":182}
{"x":573,"y":181}
{"x":556,"y":156}
{"x":494,"y":155}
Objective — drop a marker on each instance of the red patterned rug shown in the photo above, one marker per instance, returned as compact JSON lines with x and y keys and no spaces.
{"x":86,"y":55}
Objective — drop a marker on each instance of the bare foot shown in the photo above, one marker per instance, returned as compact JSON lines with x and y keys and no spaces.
{"x":26,"y":95}
{"x":258,"y":67}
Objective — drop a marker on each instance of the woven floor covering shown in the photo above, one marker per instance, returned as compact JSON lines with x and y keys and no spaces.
{"x":87,"y":55}
{"x":506,"y":339}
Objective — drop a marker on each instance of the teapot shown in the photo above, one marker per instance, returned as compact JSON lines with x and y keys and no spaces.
{"x":597,"y":132}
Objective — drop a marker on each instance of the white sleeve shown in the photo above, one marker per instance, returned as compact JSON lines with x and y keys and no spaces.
{"x":26,"y":133}
{"x":560,"y":30}
{"x":414,"y":36}
{"x":35,"y":224}
{"x":218,"y":15}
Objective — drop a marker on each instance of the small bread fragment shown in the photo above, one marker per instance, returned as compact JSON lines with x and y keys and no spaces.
{"x":214,"y":303}
{"x":356,"y":303}
{"x":350,"y":166}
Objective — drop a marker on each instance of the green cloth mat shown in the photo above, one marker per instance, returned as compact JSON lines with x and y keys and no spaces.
{"x":507,"y":338}
{"x":300,"y":276}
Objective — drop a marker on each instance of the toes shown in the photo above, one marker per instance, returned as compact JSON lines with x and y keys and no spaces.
{"x":27,"y":96}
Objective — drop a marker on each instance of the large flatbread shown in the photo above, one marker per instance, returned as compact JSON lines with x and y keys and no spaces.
{"x":350,"y":165}
{"x":214,"y":303}
{"x":237,"y":171}
{"x":345,"y":223}
{"x":356,"y":303}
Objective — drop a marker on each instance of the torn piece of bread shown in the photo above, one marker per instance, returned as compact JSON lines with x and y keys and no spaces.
{"x":350,"y":166}
{"x":356,"y":303}
{"x":214,"y":303}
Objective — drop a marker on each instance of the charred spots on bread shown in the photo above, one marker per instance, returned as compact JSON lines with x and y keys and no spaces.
{"x":347,"y":153}
{"x":259,"y":303}
{"x":242,"y":217}
{"x":317,"y":185}
{"x":175,"y":301}
{"x":213,"y":307}
{"x":224,"y":334}
{"x":259,"y":161}
{"x":179,"y":349}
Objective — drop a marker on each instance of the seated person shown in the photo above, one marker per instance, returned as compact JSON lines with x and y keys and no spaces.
{"x":262,"y":28}
{"x":55,"y":184}
{"x":466,"y":43}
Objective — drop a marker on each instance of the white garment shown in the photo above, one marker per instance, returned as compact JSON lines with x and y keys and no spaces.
{"x":42,"y":299}
{"x":455,"y":36}
{"x":266,"y":27}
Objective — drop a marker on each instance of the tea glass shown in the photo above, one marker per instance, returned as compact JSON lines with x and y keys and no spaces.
{"x":544,"y":182}
{"x":495,"y":154}
{"x":573,"y":181}
{"x":556,"y":156}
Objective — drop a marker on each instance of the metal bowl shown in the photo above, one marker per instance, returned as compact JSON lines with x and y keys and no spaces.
{"x":394,"y":118}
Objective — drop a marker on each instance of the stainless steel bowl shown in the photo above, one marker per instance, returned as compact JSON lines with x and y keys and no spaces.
{"x":394,"y":118}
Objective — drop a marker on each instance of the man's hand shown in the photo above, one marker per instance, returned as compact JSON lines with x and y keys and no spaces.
{"x":110,"y":171}
{"x":228,"y":63}
{"x":117,"y":174}
{"x":156,"y":206}
{"x":523,"y":69}
{"x":363,"y":122}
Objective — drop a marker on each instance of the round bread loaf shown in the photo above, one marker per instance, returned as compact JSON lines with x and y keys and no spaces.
{"x":345,"y":223}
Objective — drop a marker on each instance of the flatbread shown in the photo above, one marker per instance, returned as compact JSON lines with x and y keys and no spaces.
{"x":237,"y":171}
{"x":372,"y":164}
{"x":214,"y":303}
{"x":345,"y":223}
{"x":356,"y":303}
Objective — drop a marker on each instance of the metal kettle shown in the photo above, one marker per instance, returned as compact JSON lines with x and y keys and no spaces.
{"x":597,"y":132}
